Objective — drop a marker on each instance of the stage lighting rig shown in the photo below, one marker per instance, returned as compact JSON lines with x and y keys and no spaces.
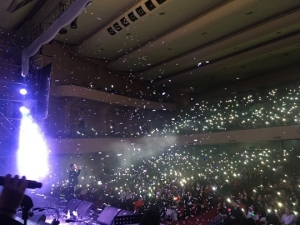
{"x":23,"y":91}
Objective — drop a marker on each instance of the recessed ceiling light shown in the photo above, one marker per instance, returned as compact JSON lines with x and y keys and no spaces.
{"x":160,"y":1}
{"x":150,"y":6}
{"x":140,"y":11}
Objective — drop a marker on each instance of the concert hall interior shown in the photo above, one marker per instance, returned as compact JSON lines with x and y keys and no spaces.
{"x":182,"y":107}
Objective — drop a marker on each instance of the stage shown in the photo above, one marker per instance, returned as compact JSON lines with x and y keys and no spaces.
{"x":54,"y":211}
{"x":49,"y":210}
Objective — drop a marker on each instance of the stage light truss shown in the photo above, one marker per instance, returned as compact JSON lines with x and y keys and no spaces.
{"x":29,"y":33}
{"x":9,"y":48}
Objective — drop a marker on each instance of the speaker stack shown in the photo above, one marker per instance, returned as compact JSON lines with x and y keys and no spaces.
{"x":109,"y":216}
{"x":82,"y":208}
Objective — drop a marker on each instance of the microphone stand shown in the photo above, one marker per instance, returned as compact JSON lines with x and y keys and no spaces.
{"x":26,"y":205}
{"x":25,"y":215}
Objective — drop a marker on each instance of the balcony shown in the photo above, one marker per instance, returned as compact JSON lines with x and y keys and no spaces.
{"x":71,"y":146}
{"x":100,"y":96}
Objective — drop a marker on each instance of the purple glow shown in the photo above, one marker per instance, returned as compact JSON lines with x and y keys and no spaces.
{"x":24,"y":110}
{"x":23,"y":91}
{"x":32,"y":154}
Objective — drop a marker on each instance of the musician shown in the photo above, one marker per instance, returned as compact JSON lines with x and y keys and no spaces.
{"x":73,"y":178}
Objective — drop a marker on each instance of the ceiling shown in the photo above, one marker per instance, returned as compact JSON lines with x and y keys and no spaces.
{"x":188,"y":45}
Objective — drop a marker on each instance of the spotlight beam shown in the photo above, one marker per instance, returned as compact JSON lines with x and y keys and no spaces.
{"x":32,"y":155}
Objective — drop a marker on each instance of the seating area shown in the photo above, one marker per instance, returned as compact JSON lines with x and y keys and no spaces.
{"x":269,"y":108}
{"x":191,"y":183}
{"x":275,"y":107}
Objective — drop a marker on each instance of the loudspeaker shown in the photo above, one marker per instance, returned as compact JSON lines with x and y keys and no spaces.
{"x":44,"y":76}
{"x":72,"y":205}
{"x":109,"y":213}
{"x":85,"y":208}
{"x":125,"y":212}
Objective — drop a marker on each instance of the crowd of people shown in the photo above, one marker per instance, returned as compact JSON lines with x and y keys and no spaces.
{"x":255,"y":185}
{"x":183,"y":183}
{"x":276,"y":107}
{"x":249,"y":185}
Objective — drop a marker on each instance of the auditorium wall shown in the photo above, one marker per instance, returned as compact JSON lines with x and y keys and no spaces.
{"x":70,"y":68}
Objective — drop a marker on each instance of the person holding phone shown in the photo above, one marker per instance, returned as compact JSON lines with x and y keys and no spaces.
{"x":251,"y":216}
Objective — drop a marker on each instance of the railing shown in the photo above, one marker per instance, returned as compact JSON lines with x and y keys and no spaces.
{"x":29,"y":33}
{"x":68,"y":146}
{"x":95,"y":95}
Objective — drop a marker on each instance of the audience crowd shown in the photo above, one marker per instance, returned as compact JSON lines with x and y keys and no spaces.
{"x":276,"y":107}
{"x":254,"y":185}
{"x":182,"y":183}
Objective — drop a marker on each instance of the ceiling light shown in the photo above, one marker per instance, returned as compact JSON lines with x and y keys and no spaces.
{"x":73,"y":24}
{"x":132,"y":17}
{"x":124,"y":22}
{"x":117,"y":27}
{"x":160,"y":1}
{"x":63,"y":31}
{"x":149,"y":4}
{"x":111,"y":31}
{"x":140,"y":11}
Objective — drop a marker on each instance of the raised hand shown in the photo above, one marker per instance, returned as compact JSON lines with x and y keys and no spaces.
{"x":12,"y":194}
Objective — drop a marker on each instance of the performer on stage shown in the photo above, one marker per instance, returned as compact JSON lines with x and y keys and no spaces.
{"x":73,"y":179}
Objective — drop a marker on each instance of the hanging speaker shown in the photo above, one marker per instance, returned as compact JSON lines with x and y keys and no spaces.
{"x":44,"y":76}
